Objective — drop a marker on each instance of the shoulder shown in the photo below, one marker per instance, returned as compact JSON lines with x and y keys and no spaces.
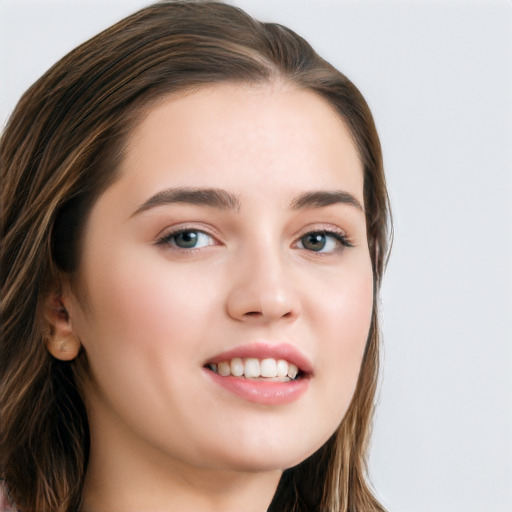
{"x":6,"y":503}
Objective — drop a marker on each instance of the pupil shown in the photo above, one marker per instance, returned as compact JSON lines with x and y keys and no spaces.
{"x":186,"y":239}
{"x":314,"y":241}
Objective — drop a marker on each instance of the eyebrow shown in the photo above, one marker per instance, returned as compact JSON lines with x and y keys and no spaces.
{"x":214,"y":197}
{"x":321,"y":198}
{"x":224,"y":200}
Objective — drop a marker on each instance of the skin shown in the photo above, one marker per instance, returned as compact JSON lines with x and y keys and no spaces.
{"x":164,"y":435}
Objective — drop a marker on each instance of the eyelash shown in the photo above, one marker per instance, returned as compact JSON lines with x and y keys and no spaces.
{"x":340,"y":237}
{"x":170,"y":237}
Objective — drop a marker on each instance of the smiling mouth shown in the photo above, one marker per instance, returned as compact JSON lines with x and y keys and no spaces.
{"x":268,"y":369}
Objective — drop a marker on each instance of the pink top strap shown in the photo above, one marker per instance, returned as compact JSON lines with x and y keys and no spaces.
{"x":6,"y":504}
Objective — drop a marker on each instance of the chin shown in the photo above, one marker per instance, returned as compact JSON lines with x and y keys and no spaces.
{"x":266,"y":456}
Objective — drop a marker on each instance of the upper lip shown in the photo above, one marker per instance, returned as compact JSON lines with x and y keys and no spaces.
{"x":264,"y":350}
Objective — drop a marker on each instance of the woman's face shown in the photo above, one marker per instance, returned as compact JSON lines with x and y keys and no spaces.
{"x":234,"y":240}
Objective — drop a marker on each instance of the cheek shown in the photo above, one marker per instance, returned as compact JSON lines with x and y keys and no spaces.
{"x":146,"y":325}
{"x":346,"y":314}
{"x":347,"y":305}
{"x":142,"y":313}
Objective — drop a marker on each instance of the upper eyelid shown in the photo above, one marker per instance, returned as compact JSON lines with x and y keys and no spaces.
{"x":320,"y":227}
{"x":183,"y":227}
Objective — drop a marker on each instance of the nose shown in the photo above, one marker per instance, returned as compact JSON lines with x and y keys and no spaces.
{"x":263,"y":290}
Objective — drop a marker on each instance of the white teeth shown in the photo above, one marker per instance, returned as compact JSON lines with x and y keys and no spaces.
{"x":282,"y":368}
{"x":268,"y":368}
{"x":292,"y":371}
{"x":224,"y":369}
{"x":237,"y":367}
{"x":252,"y":368}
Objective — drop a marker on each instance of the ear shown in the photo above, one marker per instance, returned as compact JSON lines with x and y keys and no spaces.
{"x":61,"y":341}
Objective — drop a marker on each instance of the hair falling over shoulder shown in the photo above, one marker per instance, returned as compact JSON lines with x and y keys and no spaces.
{"x":60,"y":150}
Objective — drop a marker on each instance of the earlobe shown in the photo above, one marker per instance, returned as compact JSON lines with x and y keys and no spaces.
{"x":63,"y":348}
{"x":61,"y":341}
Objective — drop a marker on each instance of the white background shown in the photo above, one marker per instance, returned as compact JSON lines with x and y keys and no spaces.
{"x":438,"y":77}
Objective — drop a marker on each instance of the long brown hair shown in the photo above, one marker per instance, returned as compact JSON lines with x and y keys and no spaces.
{"x":61,"y":149}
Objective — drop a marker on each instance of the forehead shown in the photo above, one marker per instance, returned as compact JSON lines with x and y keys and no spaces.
{"x":237,"y":135}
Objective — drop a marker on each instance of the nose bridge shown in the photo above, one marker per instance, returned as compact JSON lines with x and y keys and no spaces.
{"x":262,"y":283}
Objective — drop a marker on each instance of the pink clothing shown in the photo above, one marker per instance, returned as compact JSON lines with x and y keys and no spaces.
{"x":6,"y":504}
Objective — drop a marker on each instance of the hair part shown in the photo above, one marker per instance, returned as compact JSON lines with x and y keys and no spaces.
{"x":62,"y":148}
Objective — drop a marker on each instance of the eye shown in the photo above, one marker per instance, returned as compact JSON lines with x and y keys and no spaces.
{"x":323,"y":241}
{"x":187,"y":239}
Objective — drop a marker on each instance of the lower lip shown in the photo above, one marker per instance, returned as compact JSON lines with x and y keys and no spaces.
{"x":262,"y":392}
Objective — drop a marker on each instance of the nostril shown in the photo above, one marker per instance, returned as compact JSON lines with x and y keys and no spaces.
{"x":262,"y":303}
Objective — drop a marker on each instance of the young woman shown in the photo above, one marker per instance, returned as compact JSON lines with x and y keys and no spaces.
{"x":194,"y":229}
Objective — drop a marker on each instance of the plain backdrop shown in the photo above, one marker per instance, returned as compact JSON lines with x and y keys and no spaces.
{"x":438,"y":77}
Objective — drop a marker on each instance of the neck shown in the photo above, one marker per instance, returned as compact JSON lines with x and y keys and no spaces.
{"x":193,"y":491}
